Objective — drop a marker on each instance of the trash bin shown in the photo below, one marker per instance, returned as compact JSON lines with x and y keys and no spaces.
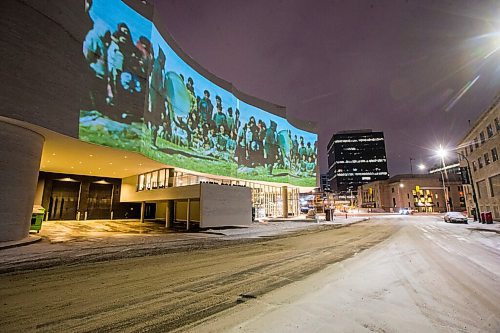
{"x":37,"y":218}
{"x":488,"y":217}
{"x":328,"y":215}
{"x":483,"y":217}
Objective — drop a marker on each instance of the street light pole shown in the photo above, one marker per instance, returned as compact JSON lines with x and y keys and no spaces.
{"x":411,"y":166}
{"x":474,"y":197}
{"x":445,"y":190}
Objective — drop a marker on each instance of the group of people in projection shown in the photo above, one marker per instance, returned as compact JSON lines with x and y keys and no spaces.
{"x":125,"y":75}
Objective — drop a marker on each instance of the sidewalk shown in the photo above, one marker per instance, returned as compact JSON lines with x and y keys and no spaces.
{"x":73,"y":242}
{"x":494,"y":227}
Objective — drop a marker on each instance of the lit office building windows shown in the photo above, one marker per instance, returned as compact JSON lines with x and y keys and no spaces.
{"x":356,"y":158}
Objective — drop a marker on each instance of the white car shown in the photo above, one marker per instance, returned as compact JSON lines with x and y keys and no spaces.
{"x":405,"y":211}
{"x":455,"y":217}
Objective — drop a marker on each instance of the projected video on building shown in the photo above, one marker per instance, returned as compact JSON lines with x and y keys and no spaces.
{"x":143,"y":97}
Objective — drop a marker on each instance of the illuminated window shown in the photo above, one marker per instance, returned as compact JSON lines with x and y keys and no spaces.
{"x":140,"y":182}
{"x":474,"y":166}
{"x":486,"y":159}
{"x":154,"y":179}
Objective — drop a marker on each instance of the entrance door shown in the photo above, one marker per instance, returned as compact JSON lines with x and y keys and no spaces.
{"x":99,"y":201}
{"x":150,"y":211}
{"x":64,"y":200}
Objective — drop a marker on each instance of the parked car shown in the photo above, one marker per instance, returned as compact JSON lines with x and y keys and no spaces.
{"x":405,"y":211}
{"x":455,"y":217}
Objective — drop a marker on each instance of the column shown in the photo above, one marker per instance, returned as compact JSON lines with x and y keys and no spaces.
{"x":284,"y":197}
{"x":143,"y":208}
{"x":169,"y":211}
{"x":188,"y":213}
{"x":20,"y":154}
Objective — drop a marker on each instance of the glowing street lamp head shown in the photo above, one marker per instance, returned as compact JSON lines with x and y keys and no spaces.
{"x":441,"y":152}
{"x":421,"y":167}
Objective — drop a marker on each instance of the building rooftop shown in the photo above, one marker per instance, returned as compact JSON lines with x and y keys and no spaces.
{"x":398,"y":178}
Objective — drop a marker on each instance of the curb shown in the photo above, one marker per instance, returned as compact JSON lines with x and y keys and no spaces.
{"x":485,"y":229}
{"x":25,"y":241}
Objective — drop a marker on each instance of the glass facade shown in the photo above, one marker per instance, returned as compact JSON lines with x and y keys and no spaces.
{"x":356,"y":158}
{"x":267,"y":200}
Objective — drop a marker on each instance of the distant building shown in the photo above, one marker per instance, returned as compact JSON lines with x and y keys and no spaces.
{"x":480,"y":148}
{"x":355,"y":158}
{"x":450,"y":168}
{"x":420,"y":192}
{"x":325,"y":183}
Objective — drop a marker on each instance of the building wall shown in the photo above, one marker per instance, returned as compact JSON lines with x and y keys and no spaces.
{"x":482,"y":151}
{"x":355,"y":158}
{"x":129,"y":192}
{"x":225,"y":205}
{"x":83,"y":196}
{"x":41,"y":54}
{"x":401,"y":192}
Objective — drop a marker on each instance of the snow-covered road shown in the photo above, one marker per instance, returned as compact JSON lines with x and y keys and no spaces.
{"x":428,"y":277}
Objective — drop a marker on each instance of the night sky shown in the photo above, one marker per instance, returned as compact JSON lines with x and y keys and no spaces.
{"x":416,"y":70}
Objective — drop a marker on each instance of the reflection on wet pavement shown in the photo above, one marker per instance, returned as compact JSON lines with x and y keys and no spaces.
{"x":66,"y":231}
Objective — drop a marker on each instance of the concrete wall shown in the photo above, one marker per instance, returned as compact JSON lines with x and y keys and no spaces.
{"x":42,"y":62}
{"x":129,"y":194}
{"x":225,"y":205}
{"x":20,"y":153}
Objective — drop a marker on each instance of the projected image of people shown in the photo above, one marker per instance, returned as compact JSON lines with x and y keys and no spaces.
{"x":143,"y":96}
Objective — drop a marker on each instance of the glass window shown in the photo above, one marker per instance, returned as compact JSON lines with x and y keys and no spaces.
{"x":161,"y":178}
{"x":489,"y":129}
{"x":141,"y":181}
{"x":476,"y":143}
{"x":474,"y":165}
{"x":480,"y":162}
{"x":494,"y":154}
{"x":481,"y":136}
{"x":495,"y":186}
{"x":465,"y":152}
{"x":154,"y":179}
{"x":486,"y":159}
{"x":481,"y":188}
{"x":471,"y":147}
{"x":497,"y":124}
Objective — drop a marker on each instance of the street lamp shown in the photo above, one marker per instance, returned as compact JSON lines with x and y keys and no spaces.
{"x":442,"y":153}
{"x":421,"y":167}
{"x":474,"y":197}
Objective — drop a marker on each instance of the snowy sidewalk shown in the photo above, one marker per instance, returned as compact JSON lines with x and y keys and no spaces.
{"x":70,"y":243}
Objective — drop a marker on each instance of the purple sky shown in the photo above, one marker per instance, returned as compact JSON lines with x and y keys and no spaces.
{"x":394,"y":66}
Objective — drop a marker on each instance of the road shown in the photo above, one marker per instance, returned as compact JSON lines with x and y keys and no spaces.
{"x":387,"y":274}
{"x":429,"y":276}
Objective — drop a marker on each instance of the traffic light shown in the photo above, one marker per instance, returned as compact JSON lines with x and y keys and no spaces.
{"x":464,"y":174}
